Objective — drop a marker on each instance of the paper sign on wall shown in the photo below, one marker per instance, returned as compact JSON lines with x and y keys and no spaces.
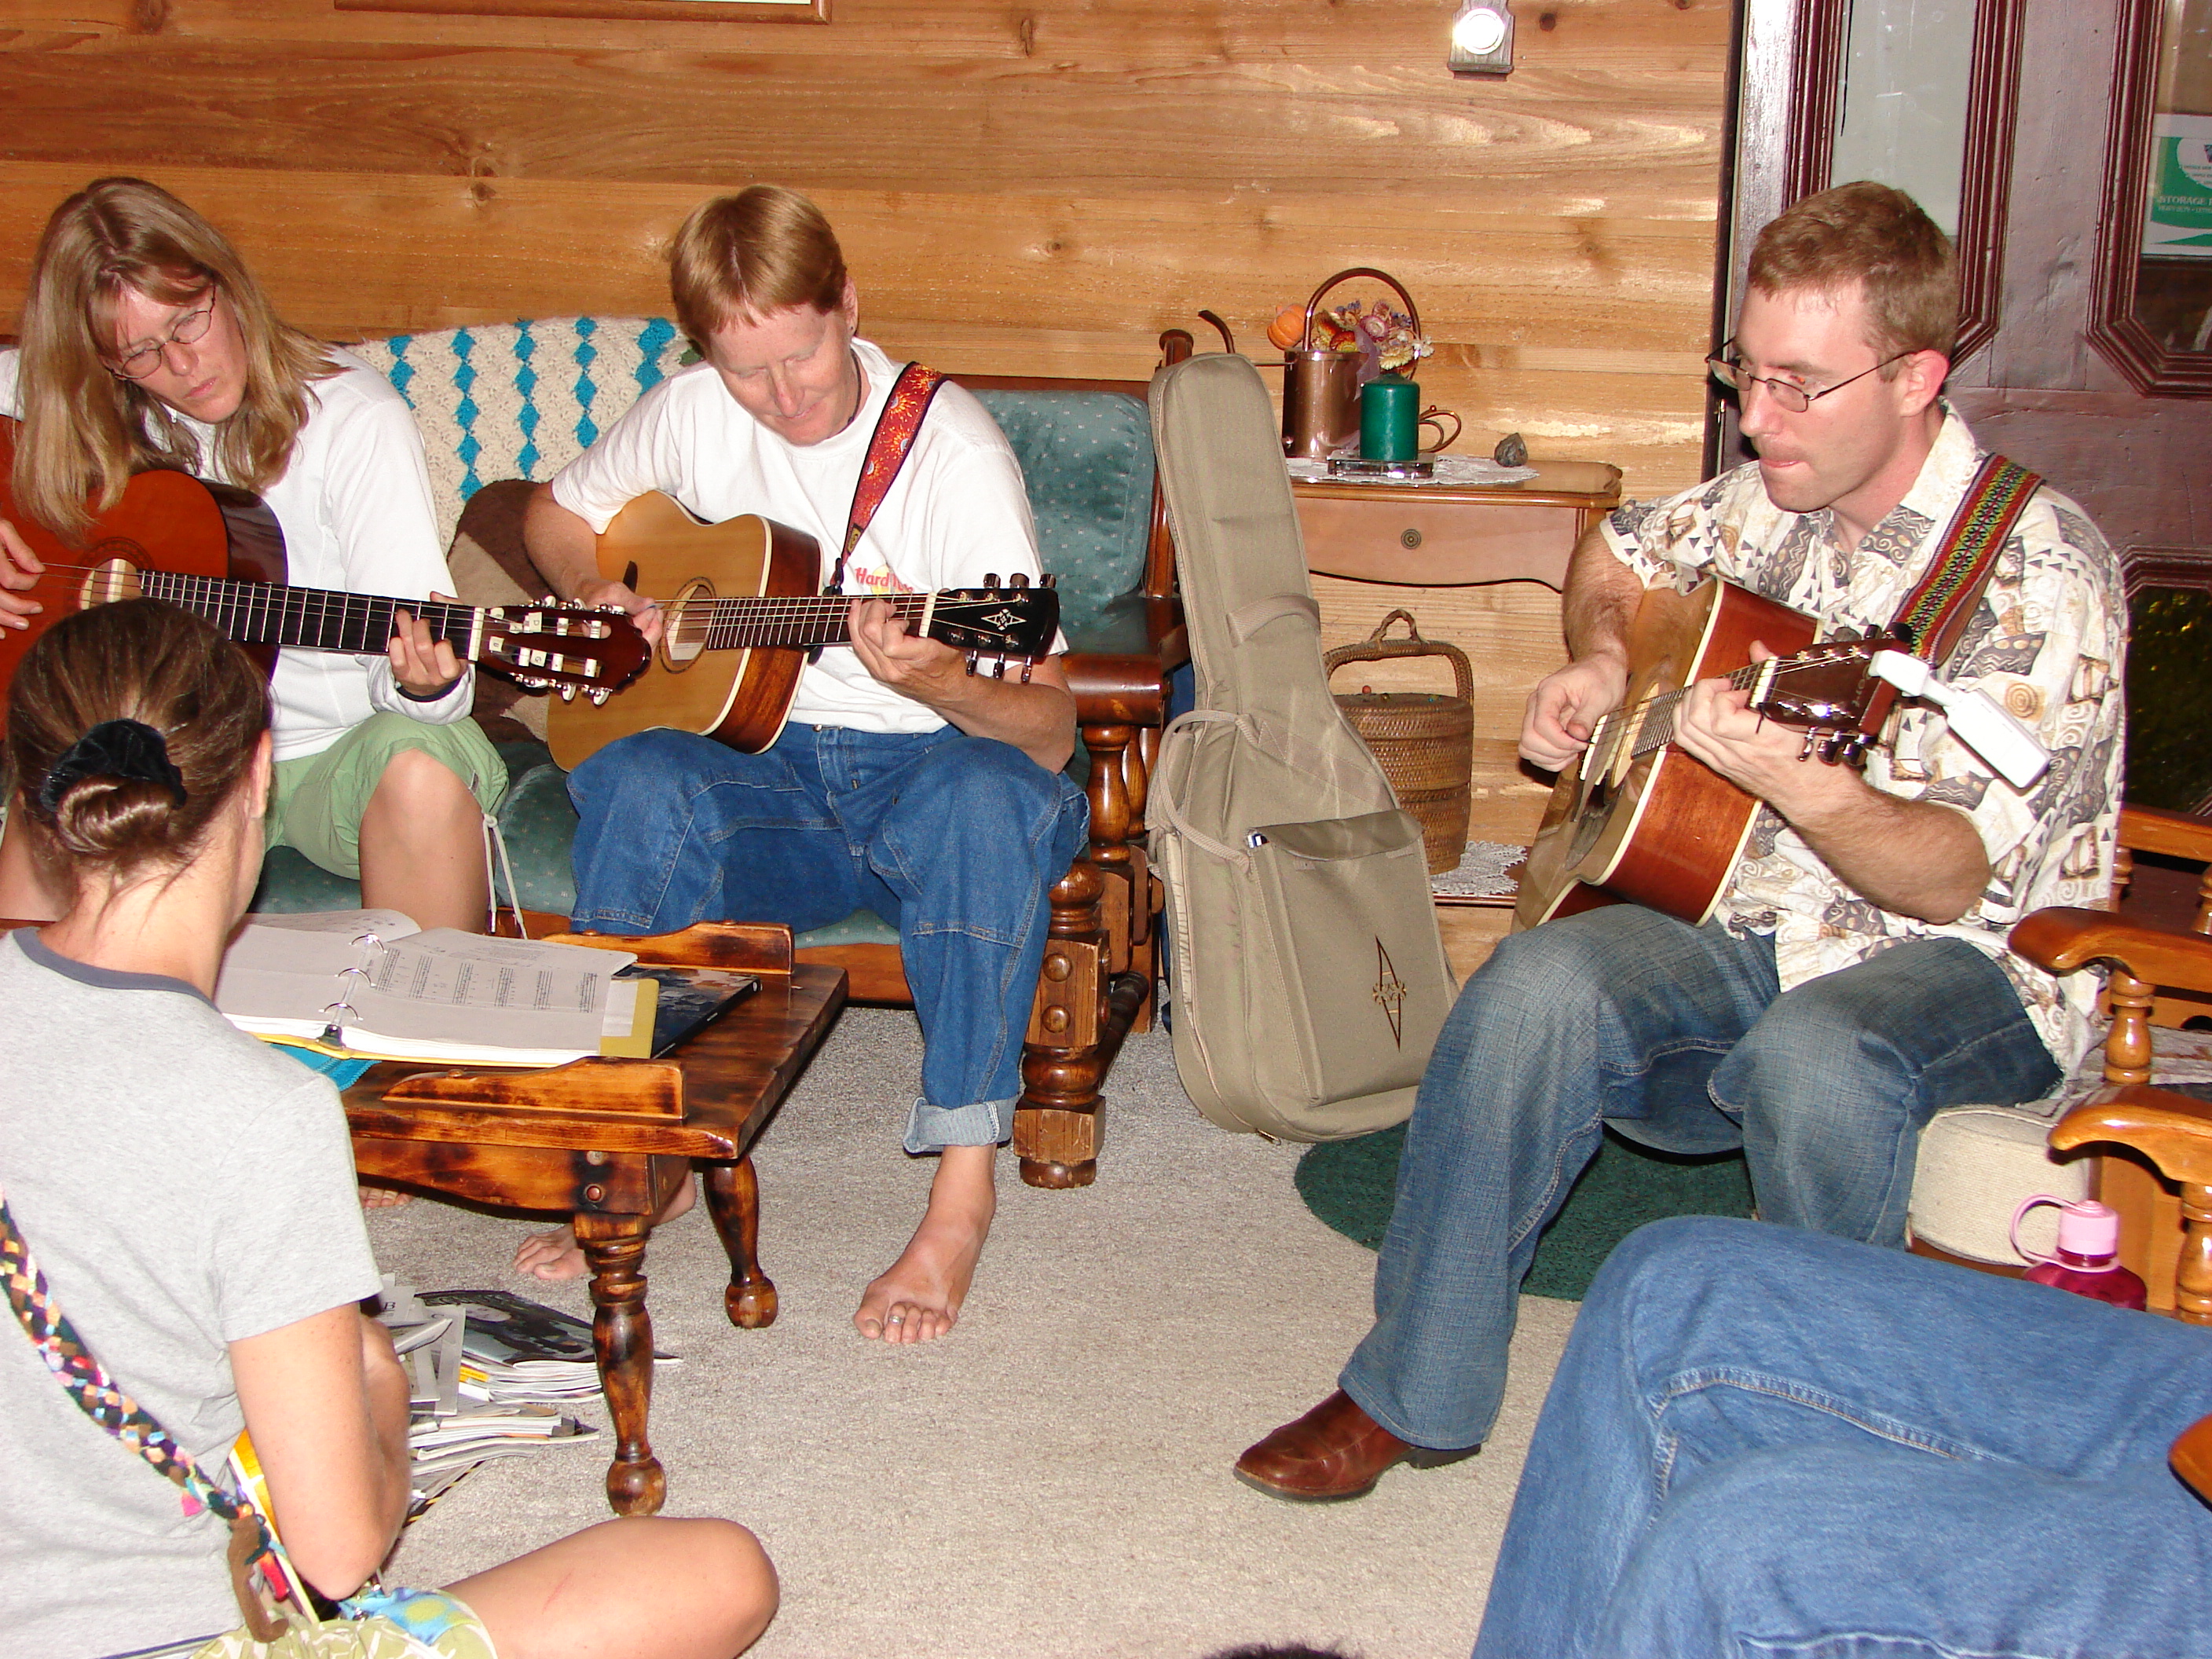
{"x":2178,"y":225}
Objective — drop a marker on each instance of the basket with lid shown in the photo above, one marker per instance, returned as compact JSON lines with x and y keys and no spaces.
{"x":1425,"y":740}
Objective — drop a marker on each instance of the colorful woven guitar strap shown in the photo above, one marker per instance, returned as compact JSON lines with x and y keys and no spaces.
{"x":95,"y":1392}
{"x":1936,"y":613}
{"x":896,"y":429}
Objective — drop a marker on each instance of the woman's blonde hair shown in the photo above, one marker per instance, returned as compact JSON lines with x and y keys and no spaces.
{"x":85,"y":431}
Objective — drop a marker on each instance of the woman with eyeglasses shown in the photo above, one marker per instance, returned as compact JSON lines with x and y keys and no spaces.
{"x":191,"y":1216}
{"x":147,"y":343}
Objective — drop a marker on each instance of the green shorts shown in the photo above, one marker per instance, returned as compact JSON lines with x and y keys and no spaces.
{"x":317,"y":800}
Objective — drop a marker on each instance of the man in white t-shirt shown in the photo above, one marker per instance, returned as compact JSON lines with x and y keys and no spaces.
{"x":901,"y":783}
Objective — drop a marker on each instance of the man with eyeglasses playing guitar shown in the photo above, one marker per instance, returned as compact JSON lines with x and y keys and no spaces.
{"x":900,"y":781}
{"x":1852,"y":978}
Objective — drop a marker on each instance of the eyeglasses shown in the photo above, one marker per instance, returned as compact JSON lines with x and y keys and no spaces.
{"x":1725,"y":367}
{"x":188,"y":330}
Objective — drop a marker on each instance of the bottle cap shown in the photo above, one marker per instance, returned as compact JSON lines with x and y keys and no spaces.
{"x":2086,"y":1229}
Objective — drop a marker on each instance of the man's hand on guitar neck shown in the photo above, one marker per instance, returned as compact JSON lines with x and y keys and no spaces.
{"x":19,"y":572}
{"x":1037,"y":718}
{"x":1911,"y":857}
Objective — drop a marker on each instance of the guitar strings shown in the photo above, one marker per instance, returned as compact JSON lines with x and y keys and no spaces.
{"x":1653,"y":716}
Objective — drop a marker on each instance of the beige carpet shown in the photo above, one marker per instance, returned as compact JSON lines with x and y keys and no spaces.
{"x":1054,"y":1477}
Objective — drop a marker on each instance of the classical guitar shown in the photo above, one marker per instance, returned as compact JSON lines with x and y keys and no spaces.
{"x":1638,"y":819}
{"x":217,"y":551}
{"x":742,"y":605}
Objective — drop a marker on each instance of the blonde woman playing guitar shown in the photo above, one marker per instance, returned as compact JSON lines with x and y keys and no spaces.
{"x":1854,"y":977}
{"x":147,"y":343}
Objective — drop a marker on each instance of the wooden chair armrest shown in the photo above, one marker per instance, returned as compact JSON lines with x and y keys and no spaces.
{"x":2173,"y":1131}
{"x":2172,"y":835}
{"x":2192,"y":1457}
{"x":2064,"y":938}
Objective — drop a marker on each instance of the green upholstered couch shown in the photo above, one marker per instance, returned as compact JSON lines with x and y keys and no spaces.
{"x":519,"y":401}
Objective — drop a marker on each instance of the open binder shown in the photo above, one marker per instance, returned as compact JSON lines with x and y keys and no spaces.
{"x":370,"y":984}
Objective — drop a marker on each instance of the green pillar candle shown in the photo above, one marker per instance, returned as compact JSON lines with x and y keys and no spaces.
{"x":1389,"y":419}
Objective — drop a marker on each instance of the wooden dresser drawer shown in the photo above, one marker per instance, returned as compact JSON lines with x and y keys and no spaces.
{"x":1444,"y":536}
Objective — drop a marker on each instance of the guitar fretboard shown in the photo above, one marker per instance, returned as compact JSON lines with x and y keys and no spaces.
{"x":1650,"y":725}
{"x":736,"y":624}
{"x":315,"y":618}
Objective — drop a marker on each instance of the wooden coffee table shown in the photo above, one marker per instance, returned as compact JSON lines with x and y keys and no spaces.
{"x":609,"y":1141}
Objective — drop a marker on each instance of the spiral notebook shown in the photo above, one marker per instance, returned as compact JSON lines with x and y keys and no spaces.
{"x":370,"y":984}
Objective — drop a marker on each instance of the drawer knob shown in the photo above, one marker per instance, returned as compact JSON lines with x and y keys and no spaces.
{"x":1409,"y":538}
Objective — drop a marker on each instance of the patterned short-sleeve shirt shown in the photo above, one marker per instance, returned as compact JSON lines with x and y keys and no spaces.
{"x":2047,"y":641}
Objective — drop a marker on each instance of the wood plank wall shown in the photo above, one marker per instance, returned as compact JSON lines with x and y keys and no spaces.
{"x":1021,"y":185}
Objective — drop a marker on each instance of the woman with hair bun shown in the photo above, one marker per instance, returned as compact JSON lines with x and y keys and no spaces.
{"x":183,"y":1195}
{"x":147,"y":342}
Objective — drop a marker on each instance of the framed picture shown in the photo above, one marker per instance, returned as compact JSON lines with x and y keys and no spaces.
{"x":692,"y":11}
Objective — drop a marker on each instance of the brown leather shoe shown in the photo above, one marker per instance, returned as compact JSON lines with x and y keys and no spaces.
{"x":1336,"y":1450}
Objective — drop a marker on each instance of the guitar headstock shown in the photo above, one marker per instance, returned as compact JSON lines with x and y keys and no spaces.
{"x":1827,"y":692}
{"x":1015,"y":622}
{"x":568,"y":647}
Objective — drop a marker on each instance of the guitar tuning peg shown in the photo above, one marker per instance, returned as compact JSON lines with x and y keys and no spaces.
{"x":1018,"y":580}
{"x":599,"y":697}
{"x":568,"y":694}
{"x":549,"y":599}
{"x":1027,"y":664}
{"x":990,"y":579}
{"x":971,"y":662}
{"x":1048,"y":581}
{"x":998,"y":669}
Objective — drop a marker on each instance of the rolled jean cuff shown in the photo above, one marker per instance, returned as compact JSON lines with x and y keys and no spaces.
{"x":933,"y":1128}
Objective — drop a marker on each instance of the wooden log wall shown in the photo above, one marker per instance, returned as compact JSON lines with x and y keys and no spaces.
{"x":1021,"y":185}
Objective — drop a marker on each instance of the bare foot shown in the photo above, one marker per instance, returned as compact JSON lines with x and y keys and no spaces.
{"x":555,"y":1256}
{"x":919,"y":1298}
{"x":382,"y":1198}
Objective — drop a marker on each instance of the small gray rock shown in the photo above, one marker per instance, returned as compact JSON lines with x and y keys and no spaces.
{"x":1510,"y":450}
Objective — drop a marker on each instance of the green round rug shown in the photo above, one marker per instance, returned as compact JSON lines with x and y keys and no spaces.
{"x":1352,"y":1184}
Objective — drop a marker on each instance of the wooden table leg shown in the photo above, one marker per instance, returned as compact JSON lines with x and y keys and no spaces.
{"x":622,"y":1335}
{"x":733,"y":1200}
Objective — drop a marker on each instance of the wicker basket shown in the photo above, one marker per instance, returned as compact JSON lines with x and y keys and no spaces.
{"x":1424,"y":741}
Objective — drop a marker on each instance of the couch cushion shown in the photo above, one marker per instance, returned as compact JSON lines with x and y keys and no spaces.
{"x":1086,"y":461}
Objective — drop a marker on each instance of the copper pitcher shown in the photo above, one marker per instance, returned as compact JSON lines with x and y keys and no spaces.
{"x":1320,"y":386}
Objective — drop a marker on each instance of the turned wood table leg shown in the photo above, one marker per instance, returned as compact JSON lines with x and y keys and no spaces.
{"x":622,"y":1337}
{"x":733,"y":1200}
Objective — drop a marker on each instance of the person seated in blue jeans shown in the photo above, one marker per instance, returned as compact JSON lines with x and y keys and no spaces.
{"x":1765,"y":1441}
{"x":901,"y":782}
{"x":1854,"y":977}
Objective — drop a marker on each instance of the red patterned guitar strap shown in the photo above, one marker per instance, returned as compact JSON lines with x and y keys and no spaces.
{"x":896,"y":429}
{"x":1936,"y":613}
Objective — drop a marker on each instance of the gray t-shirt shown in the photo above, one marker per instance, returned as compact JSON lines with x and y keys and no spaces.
{"x":182,"y":1187}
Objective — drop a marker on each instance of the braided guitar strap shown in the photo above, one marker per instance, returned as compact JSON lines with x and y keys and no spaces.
{"x":253,"y":1561}
{"x":1936,"y":613}
{"x":892,"y":442}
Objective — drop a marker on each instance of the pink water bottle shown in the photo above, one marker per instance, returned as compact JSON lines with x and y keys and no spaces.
{"x":2088,"y":1262}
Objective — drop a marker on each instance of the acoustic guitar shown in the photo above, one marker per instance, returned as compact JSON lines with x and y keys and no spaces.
{"x":217,"y":551}
{"x":743,"y":607}
{"x":1639,"y":820}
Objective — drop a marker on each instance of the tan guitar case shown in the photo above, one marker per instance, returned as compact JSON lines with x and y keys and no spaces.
{"x":1308,"y":980}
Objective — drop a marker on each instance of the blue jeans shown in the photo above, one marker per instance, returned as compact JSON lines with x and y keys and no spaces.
{"x":1677,"y":1036}
{"x":1765,"y":1442}
{"x":955,"y":841}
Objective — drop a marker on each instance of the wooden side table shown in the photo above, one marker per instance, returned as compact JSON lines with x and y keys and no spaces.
{"x":1442,"y":551}
{"x":1445,"y":535}
{"x":608,"y":1141}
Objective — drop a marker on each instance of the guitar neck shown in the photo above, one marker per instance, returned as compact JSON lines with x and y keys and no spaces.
{"x":309,"y":618}
{"x":739,"y":624}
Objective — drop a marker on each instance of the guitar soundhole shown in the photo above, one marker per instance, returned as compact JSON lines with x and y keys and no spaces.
{"x":1589,"y":820}
{"x":116,"y":579}
{"x":684,"y":638}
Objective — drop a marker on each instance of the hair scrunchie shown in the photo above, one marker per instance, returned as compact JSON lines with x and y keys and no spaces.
{"x":113,"y":749}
